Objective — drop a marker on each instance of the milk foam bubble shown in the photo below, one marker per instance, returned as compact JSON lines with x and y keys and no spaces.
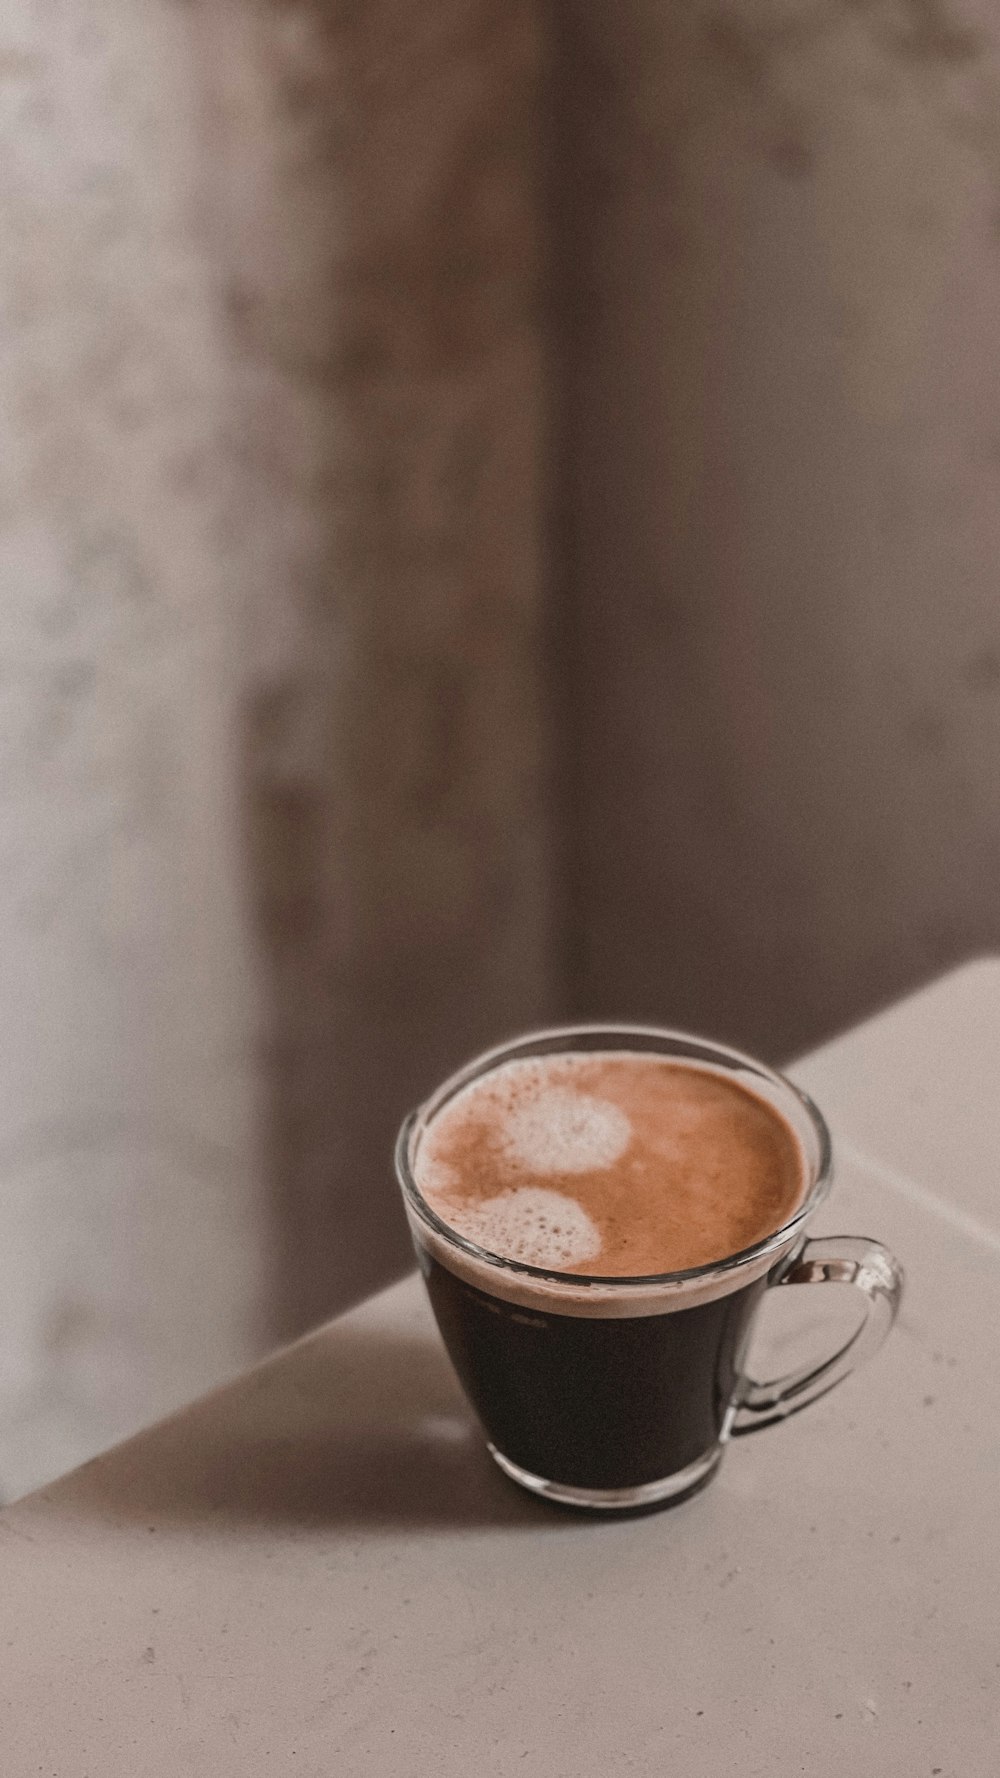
{"x":537,"y":1227}
{"x":560,"y":1130}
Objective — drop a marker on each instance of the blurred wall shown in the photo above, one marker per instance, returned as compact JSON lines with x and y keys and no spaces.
{"x":274,"y":776}
{"x":780,"y":272}
{"x":335,"y":743}
{"x":132,"y":1209}
{"x":371,"y":201}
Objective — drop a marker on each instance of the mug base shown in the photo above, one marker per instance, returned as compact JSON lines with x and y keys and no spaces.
{"x":670,"y":1491}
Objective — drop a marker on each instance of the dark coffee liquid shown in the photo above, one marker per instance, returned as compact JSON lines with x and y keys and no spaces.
{"x":595,"y":1402}
{"x":613,"y":1164}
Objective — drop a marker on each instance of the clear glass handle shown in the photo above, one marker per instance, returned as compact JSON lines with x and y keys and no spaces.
{"x":830,"y":1259}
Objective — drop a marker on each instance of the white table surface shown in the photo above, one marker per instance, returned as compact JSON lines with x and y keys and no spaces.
{"x":318,"y":1571}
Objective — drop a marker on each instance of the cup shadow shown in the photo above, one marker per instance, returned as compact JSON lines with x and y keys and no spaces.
{"x":361,"y":1428}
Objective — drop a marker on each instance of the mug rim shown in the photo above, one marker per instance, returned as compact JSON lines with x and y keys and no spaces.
{"x":551,"y":1039}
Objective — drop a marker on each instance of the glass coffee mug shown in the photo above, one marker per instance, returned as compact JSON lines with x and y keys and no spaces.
{"x":613,"y":1393}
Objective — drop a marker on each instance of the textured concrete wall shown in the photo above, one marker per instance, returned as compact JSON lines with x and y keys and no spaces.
{"x":781,"y":256}
{"x":131,"y":1207}
{"x":275,"y":814}
{"x":271,"y":805}
{"x":372,"y":196}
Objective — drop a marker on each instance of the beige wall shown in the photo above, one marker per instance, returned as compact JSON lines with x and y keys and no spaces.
{"x":128,"y":989}
{"x":278,"y":831}
{"x":781,"y":254}
{"x":271,"y":805}
{"x":369,"y":194}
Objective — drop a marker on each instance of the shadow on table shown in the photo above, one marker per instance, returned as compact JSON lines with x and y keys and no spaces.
{"x":361,"y":1428}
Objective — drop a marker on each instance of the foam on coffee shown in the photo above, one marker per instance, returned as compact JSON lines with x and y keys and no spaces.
{"x":615,"y":1163}
{"x":537,"y":1227}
